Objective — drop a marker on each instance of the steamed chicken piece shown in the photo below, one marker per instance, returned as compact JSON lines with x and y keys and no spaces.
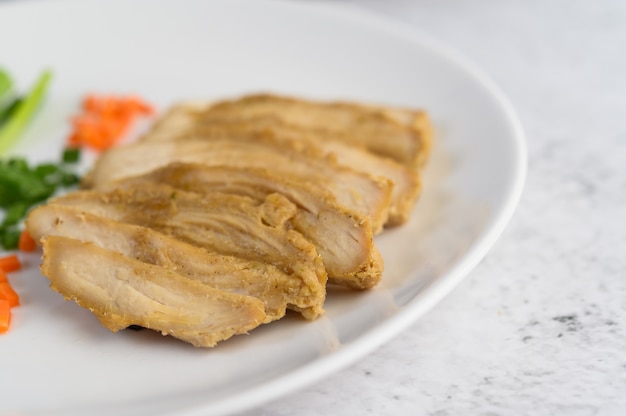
{"x":277,"y":289}
{"x":405,"y":180}
{"x":402,"y":134}
{"x":342,"y":238}
{"x":121,"y":291}
{"x":227,"y":224}
{"x":366,"y":195}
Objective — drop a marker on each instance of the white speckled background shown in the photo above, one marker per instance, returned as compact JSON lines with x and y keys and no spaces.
{"x":539,"y":327}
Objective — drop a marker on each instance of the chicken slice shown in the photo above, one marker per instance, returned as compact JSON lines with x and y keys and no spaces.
{"x":121,"y":291}
{"x":368,"y":196}
{"x":401,"y":134}
{"x":277,"y":289}
{"x":343,"y":239}
{"x":405,"y":180}
{"x":227,"y":224}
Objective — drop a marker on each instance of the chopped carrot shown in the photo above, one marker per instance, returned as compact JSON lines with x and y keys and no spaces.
{"x":26,"y":243}
{"x":7,"y":293}
{"x":105,"y":120}
{"x":8,"y":297}
{"x":10,"y":263}
{"x":5,"y":316}
{"x":140,"y":106}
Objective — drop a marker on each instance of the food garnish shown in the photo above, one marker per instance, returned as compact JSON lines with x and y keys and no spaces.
{"x":5,"y":316}
{"x":10,"y":263}
{"x":23,"y":186}
{"x":17,"y":115}
{"x":105,"y":120}
{"x":7,"y":293}
{"x":26,"y":243}
{"x":8,"y":296}
{"x":6,"y":95}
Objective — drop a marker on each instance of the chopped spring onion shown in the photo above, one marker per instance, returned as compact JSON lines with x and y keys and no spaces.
{"x":20,"y":116}
{"x":7,"y":100}
{"x":23,"y":186}
{"x":6,"y":85}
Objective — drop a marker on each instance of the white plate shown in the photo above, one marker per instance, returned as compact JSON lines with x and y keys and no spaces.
{"x":57,"y":360}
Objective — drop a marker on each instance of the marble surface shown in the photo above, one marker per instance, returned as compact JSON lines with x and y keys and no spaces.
{"x":539,"y":327}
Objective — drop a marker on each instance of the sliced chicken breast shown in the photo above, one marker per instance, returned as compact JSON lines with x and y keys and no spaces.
{"x":342,"y":238}
{"x":405,"y":180}
{"x":401,"y":134}
{"x":227,"y":224}
{"x":121,"y":291}
{"x":277,"y":289}
{"x":368,"y":196}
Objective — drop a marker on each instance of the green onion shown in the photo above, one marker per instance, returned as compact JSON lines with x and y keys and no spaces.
{"x":6,"y":85}
{"x":10,"y":238}
{"x":22,"y":187}
{"x":46,"y":170}
{"x":71,"y":155}
{"x":69,"y":179}
{"x":7,"y":101}
{"x":19,"y":183}
{"x":7,"y":111}
{"x":21,"y":115}
{"x":14,"y":214}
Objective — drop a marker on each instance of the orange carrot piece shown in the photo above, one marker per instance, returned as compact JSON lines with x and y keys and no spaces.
{"x":74,"y":140}
{"x":10,"y":263}
{"x":7,"y":293}
{"x":5,"y":316}
{"x":140,"y":106}
{"x":26,"y":243}
{"x":105,"y":120}
{"x":3,"y":276}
